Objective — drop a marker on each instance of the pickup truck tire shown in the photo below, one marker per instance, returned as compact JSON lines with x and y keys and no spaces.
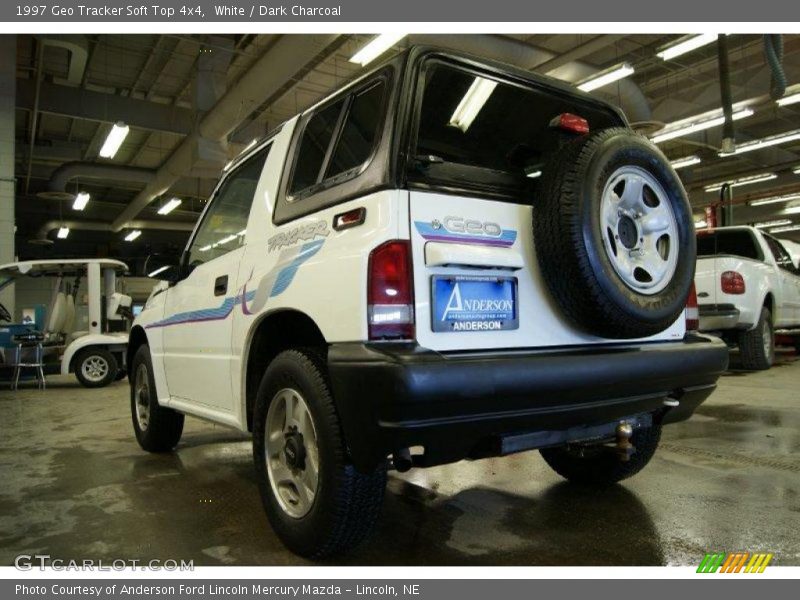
{"x":757,"y":346}
{"x":95,"y":367}
{"x":340,"y":505}
{"x":157,"y":428}
{"x":599,"y":465}
{"x":614,"y":235}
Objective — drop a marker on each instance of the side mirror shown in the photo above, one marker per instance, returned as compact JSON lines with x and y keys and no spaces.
{"x":163,"y":267}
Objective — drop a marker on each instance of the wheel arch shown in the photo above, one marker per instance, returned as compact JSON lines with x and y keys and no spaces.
{"x":769,"y":303}
{"x":136,"y":339}
{"x":275,"y":332}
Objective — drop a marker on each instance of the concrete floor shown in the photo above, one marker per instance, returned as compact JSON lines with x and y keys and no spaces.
{"x":74,"y":484}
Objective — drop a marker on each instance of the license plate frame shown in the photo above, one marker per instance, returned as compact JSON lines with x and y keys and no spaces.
{"x":454,"y":315}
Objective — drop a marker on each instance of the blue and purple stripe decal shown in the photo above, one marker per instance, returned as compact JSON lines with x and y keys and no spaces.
{"x":506,"y":238}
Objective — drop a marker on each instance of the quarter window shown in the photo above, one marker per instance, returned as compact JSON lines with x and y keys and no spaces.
{"x":224,"y":224}
{"x":781,"y":255}
{"x":340,"y":138}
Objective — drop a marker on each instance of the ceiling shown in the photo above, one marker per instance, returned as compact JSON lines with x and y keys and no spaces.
{"x":71,"y":89}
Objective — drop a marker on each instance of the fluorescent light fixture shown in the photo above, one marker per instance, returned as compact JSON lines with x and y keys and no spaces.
{"x":686,"y":44}
{"x":796,"y":171}
{"x":694,"y":124}
{"x":615,"y":73}
{"x":81,"y":200}
{"x":226,"y":240}
{"x":114,"y":140}
{"x":206,"y":248}
{"x":133,"y":235}
{"x":701,"y":224}
{"x":472,"y":103}
{"x":773,"y":140}
{"x":774,"y":200}
{"x":785,"y":229}
{"x":686,"y":161}
{"x":534,"y":174}
{"x":377,"y":46}
{"x":158,"y":270}
{"x":787,"y":100}
{"x":741,"y":181}
{"x":63,"y":232}
{"x":169,"y":206}
{"x":792,"y":210}
{"x":775,"y":223}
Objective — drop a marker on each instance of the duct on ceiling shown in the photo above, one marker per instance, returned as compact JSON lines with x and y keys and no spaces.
{"x":526,"y":56}
{"x":57,"y":186}
{"x":78,"y":48}
{"x":45,"y":229}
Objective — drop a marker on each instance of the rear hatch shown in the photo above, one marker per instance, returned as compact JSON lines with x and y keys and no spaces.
{"x":481,"y":144}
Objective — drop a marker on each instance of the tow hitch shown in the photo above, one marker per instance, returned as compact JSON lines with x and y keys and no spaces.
{"x":625,"y":449}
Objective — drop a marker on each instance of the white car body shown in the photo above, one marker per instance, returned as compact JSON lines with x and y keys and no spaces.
{"x":767,"y":283}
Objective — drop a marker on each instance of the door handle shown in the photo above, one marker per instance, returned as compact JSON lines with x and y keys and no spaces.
{"x":221,"y":285}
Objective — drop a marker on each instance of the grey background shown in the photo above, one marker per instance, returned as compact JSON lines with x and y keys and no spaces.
{"x":710,"y":11}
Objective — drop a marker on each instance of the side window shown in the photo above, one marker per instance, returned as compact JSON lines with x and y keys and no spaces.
{"x":781,"y":255}
{"x":339,"y":138}
{"x":225,"y":221}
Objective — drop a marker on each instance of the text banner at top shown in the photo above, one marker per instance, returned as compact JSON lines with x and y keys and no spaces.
{"x":432,"y":11}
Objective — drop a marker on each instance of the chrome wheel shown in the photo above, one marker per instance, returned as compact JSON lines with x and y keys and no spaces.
{"x":292,"y":453}
{"x":640,"y":231}
{"x":142,"y":397}
{"x":95,"y":368}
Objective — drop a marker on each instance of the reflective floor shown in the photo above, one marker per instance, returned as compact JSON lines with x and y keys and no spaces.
{"x":74,"y":484}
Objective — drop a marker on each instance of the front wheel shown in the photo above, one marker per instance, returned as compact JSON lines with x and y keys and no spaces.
{"x":598,"y":465}
{"x":95,"y":367}
{"x":757,"y":346}
{"x":316,"y":501}
{"x":157,"y":428}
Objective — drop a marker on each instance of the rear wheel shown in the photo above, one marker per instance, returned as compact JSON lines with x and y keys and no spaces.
{"x":599,"y":465}
{"x":316,"y":501}
{"x":757,"y":346}
{"x":157,"y":428}
{"x":95,"y":367}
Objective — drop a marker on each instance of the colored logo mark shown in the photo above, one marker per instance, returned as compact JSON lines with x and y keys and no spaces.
{"x":734,"y":562}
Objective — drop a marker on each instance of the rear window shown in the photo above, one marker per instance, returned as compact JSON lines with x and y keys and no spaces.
{"x":482,"y":131}
{"x":733,"y":243}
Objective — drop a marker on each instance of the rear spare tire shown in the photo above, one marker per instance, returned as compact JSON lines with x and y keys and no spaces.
{"x":614,"y":235}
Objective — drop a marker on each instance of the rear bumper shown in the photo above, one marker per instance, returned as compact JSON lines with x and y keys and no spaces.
{"x":459,"y":405}
{"x":720,"y":317}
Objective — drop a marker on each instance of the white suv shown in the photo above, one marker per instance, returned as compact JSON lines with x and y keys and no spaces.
{"x":446,"y":259}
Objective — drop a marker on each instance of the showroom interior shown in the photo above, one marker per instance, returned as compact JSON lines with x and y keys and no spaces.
{"x":110,"y":147}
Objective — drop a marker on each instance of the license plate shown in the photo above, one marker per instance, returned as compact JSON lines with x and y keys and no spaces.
{"x":473,"y":303}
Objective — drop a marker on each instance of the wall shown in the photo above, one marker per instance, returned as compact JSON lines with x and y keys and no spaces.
{"x":8,"y":53}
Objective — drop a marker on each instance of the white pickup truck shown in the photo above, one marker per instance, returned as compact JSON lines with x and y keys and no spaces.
{"x":747,"y":287}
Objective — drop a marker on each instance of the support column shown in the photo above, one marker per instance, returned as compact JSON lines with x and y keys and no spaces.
{"x":8,"y":68}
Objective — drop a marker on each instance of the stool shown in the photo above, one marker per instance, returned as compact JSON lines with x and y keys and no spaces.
{"x":26,"y":341}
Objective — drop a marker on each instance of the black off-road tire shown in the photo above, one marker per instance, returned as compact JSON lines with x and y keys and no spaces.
{"x":601,"y":466}
{"x":95,"y":353}
{"x":755,"y":356}
{"x":165,"y":426}
{"x":570,"y":247}
{"x":347,"y":502}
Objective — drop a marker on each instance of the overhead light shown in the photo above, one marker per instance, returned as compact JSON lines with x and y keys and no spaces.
{"x":785,"y":229}
{"x":226,"y":240}
{"x":701,"y":224}
{"x":686,"y":161}
{"x":158,"y":270}
{"x":715,"y":187}
{"x":114,"y":139}
{"x":472,"y":103}
{"x":206,"y":248}
{"x":169,"y":206}
{"x":694,"y":124}
{"x":533,"y":174}
{"x":602,"y":78}
{"x":686,"y":44}
{"x":81,"y":200}
{"x":63,"y":232}
{"x":774,"y":200}
{"x":133,"y":235}
{"x":796,"y":171}
{"x":773,"y":140}
{"x":775,"y":223}
{"x":379,"y":44}
{"x":787,"y":100}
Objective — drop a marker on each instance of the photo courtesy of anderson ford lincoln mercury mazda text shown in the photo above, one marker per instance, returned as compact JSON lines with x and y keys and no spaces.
{"x":407,"y":274}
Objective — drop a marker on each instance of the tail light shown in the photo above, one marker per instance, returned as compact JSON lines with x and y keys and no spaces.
{"x":692,"y":311}
{"x":732,"y":282}
{"x":570,"y":122}
{"x":390,"y":292}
